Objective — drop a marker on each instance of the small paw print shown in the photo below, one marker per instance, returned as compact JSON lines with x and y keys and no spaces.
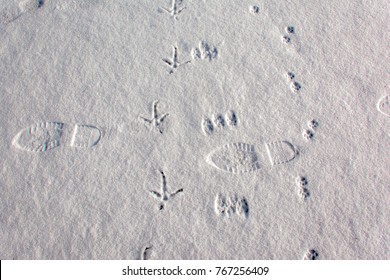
{"x":301,"y":181}
{"x":311,"y":255}
{"x":308,"y":135}
{"x":219,"y":121}
{"x":290,"y":29}
{"x":254,"y":9}
{"x":295,"y":86}
{"x":290,"y":76}
{"x":204,"y":51}
{"x":286,"y":39}
{"x":303,"y":193}
{"x":313,"y":124}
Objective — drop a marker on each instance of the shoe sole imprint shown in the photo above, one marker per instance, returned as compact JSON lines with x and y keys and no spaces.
{"x":45,"y":136}
{"x":240,"y":158}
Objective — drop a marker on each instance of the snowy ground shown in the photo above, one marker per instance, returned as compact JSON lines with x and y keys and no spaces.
{"x":194,"y":129}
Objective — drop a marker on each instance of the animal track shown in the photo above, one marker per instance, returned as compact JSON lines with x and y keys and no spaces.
{"x":45,"y":136}
{"x":11,"y":11}
{"x":39,"y":137}
{"x":156,"y":120}
{"x":239,"y":158}
{"x":303,"y":193}
{"x":281,"y":152}
{"x":174,"y":62}
{"x":286,"y":39}
{"x":290,"y":76}
{"x":301,"y":183}
{"x":218,"y":121}
{"x":231,"y":118}
{"x":29,"y":5}
{"x":290,"y":30}
{"x":175,"y":9}
{"x":235,"y":158}
{"x":85,"y":136}
{"x":164,"y":196}
{"x":311,"y":255}
{"x":384,"y":105}
{"x":313,"y":124}
{"x":146,"y":253}
{"x":308,"y":134}
{"x":227,"y":206}
{"x":294,"y":85}
{"x":254,"y":9}
{"x":205,"y":51}
{"x":207,"y":126}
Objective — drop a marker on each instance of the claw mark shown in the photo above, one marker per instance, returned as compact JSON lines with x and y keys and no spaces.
{"x":164,"y":195}
{"x":156,"y":120}
{"x":174,"y":63}
{"x":174,"y":11}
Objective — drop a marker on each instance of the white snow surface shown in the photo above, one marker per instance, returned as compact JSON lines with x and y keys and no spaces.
{"x":224,"y":130}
